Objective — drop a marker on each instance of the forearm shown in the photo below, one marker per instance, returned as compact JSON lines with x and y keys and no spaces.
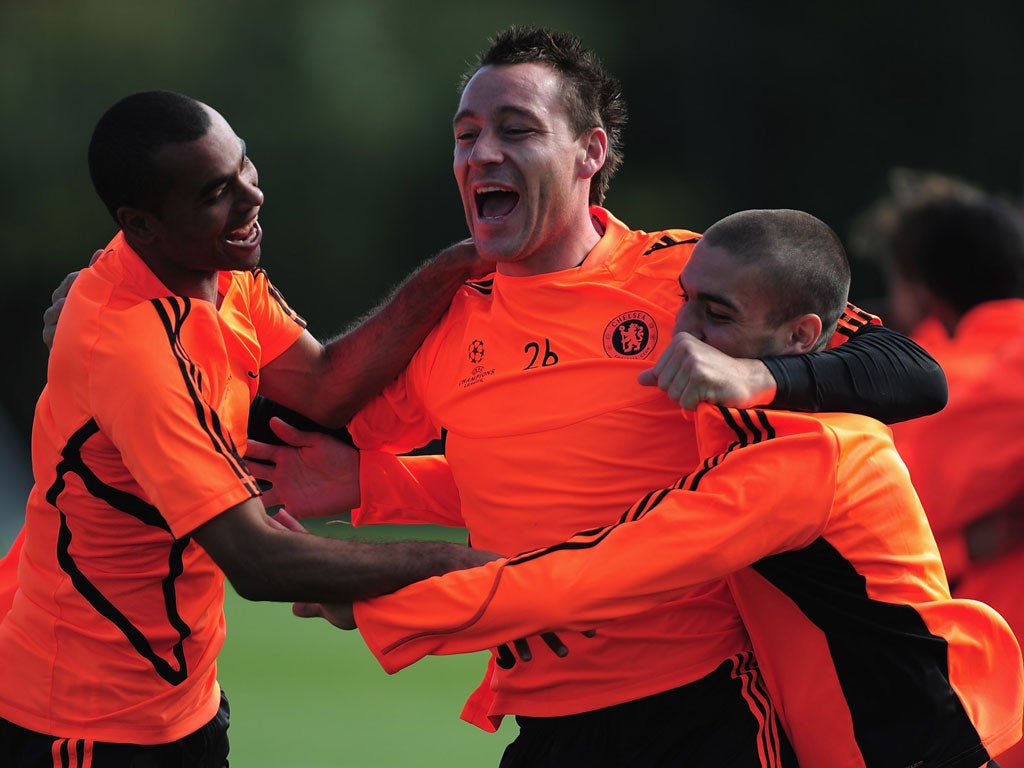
{"x":877,"y":372}
{"x":370,"y":354}
{"x":672,"y":540}
{"x":265,"y":563}
{"x":330,"y":382}
{"x":309,"y":568}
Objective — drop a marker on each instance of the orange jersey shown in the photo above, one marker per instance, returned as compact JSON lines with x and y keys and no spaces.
{"x":9,"y":573}
{"x":965,"y":461}
{"x":548,"y":433}
{"x":834,"y":570}
{"x":137,"y":440}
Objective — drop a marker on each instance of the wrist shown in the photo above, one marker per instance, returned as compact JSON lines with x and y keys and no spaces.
{"x":762,"y":383}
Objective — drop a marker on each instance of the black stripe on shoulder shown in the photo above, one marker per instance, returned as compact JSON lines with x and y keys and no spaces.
{"x":277,"y":296}
{"x":172,"y":312}
{"x":667,"y":241}
{"x":481,"y":286}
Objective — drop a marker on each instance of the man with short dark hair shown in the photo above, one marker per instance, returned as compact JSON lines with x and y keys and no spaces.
{"x":533,"y":376}
{"x":811,"y":518}
{"x":142,"y":502}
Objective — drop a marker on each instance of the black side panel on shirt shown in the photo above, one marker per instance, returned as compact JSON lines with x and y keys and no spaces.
{"x":73,"y":464}
{"x":894,"y":672}
{"x":877,"y":372}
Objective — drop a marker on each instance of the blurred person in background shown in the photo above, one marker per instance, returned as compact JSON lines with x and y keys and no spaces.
{"x":957,"y":277}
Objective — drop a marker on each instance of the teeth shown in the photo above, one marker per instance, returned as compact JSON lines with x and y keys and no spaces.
{"x":485,"y":190}
{"x":245,"y":234}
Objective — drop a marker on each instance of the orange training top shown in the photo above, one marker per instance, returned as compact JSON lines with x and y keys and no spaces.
{"x":833,"y":568}
{"x":115,"y":629}
{"x":965,"y":459}
{"x":549,"y":433}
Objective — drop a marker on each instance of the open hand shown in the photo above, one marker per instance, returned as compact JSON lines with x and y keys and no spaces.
{"x":313,"y":474}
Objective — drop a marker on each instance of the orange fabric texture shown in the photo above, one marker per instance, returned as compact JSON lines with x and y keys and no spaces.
{"x":114,"y":631}
{"x":966,"y":460}
{"x":549,"y":433}
{"x":834,"y":570}
{"x":9,"y":573}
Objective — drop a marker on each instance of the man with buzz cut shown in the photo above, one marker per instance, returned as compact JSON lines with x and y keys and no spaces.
{"x":142,"y":502}
{"x":811,"y":519}
{"x":532,"y":376}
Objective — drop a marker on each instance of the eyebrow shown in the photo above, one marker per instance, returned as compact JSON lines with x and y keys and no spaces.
{"x":714,"y":298}
{"x":212,"y":184}
{"x":502,"y":111}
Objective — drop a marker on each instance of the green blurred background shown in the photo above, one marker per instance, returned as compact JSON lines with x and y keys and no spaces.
{"x":346,"y":109}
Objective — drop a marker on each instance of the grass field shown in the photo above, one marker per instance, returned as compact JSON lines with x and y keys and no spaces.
{"x":306,"y":695}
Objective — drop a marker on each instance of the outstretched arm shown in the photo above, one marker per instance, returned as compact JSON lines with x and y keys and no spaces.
{"x":330,"y":382}
{"x":265,"y":562}
{"x":710,"y":524}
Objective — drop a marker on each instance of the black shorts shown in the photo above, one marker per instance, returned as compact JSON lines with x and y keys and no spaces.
{"x":204,"y":748}
{"x":723,"y":719}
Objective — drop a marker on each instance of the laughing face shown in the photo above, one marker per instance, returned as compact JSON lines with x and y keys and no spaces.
{"x":207,"y":220}
{"x":523,"y":174}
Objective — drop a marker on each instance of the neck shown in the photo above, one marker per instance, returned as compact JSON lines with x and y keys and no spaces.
{"x":568,"y":253}
{"x":202,"y":285}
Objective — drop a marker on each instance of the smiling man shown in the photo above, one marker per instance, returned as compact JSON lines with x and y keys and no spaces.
{"x":142,"y":502}
{"x":533,"y":375}
{"x":812,"y":519}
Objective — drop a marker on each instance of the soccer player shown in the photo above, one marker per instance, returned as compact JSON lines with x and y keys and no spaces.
{"x":533,"y":376}
{"x":812,"y":519}
{"x":965,"y":459}
{"x":142,"y":502}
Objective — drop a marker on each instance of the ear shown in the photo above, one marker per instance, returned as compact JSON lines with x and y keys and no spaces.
{"x":802,"y":334}
{"x":137,"y":223}
{"x":593,"y":149}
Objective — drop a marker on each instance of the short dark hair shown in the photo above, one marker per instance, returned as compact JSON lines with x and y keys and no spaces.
{"x":592,"y":95}
{"x":966,"y":251}
{"x":125,"y":142}
{"x":802,"y":261}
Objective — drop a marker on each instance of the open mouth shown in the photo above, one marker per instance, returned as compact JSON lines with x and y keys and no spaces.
{"x":249,"y":234}
{"x":495,"y":202}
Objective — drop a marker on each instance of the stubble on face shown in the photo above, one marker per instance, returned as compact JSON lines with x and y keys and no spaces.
{"x":517,"y":165}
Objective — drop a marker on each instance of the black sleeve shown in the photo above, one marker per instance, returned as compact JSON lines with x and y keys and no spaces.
{"x":876,"y":372}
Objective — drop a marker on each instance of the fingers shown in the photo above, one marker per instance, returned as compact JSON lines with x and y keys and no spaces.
{"x":260,"y":452}
{"x":290,"y":435}
{"x":50,"y":322}
{"x":288,"y":522}
{"x":307,"y":610}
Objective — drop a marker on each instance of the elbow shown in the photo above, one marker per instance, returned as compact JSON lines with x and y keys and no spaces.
{"x":932,"y":391}
{"x":938,"y":395}
{"x":249,"y":583}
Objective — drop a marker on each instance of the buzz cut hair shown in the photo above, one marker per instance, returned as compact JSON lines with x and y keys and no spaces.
{"x":593,"y":97}
{"x":126,"y":140}
{"x":801,"y":261}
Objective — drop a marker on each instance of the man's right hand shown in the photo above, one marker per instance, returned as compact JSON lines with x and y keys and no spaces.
{"x":313,"y":474}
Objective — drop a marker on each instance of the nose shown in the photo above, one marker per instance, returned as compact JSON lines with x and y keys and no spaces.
{"x":252,"y":195}
{"x":686,"y":321}
{"x":486,"y":149}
